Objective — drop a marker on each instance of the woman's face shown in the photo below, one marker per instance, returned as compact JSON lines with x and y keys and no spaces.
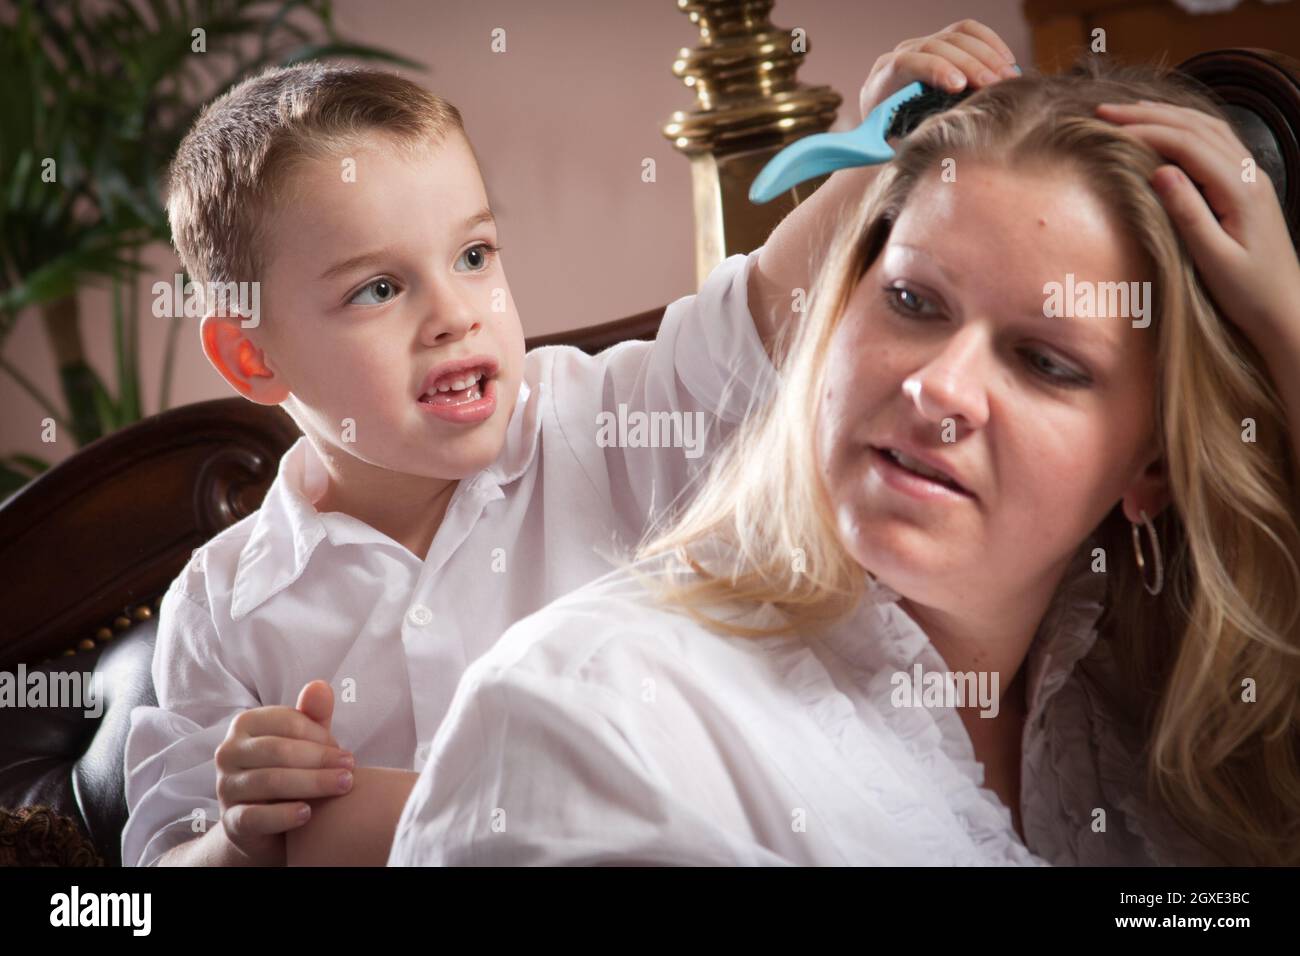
{"x":945,"y":349}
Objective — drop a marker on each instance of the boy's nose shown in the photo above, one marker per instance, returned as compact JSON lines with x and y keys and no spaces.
{"x":448,"y":325}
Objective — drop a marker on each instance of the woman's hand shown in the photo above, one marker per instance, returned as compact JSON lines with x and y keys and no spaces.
{"x":1236,"y":231}
{"x":965,"y":53}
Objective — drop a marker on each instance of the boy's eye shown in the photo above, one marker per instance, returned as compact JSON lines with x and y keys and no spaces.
{"x":375,"y":292}
{"x":478,"y":256}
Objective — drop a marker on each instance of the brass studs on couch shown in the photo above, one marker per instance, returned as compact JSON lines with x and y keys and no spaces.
{"x":141,"y":612}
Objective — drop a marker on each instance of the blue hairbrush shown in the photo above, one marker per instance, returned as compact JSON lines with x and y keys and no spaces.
{"x":824,"y":153}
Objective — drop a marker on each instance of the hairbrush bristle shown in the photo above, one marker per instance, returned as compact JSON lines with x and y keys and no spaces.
{"x":909,"y":116}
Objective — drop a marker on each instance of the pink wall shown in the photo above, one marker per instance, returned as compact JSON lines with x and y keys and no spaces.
{"x":561,"y":123}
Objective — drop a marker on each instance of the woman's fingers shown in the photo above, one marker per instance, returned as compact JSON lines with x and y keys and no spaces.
{"x":1181,"y":117}
{"x":1205,"y":238}
{"x":1218,"y":175}
{"x":1245,"y":256}
{"x":1212,"y":164}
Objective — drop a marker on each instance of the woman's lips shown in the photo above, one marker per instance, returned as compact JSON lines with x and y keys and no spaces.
{"x":910,"y":483}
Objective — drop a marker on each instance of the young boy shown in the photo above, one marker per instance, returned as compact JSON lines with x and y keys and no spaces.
{"x":446,"y":484}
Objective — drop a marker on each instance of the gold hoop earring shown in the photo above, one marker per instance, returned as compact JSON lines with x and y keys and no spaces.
{"x":1155,"y":547}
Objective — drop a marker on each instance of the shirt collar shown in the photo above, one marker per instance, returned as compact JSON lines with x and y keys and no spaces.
{"x":1068,"y":630}
{"x":1065,"y":635}
{"x":287,"y":528}
{"x":522,"y":436}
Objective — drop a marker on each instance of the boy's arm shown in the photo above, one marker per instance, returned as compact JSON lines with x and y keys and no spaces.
{"x":170,"y":773}
{"x":967,"y":50}
{"x":792,"y":253}
{"x":355,"y":829}
{"x":644,"y":419}
{"x":211,"y":849}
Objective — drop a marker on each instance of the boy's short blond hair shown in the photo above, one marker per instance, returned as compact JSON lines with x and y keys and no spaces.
{"x":232,"y":164}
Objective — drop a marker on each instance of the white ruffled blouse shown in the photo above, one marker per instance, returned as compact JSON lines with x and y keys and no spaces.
{"x":607,"y":729}
{"x":1079,"y":756}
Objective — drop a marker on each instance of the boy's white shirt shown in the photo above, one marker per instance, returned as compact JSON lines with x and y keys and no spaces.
{"x":288,"y":595}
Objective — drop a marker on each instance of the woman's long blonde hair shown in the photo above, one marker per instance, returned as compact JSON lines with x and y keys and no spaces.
{"x":1226,"y":619}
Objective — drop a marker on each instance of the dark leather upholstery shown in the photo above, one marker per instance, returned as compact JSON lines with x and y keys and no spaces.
{"x":60,"y":758}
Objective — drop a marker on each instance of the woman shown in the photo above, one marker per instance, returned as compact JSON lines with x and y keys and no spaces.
{"x":1107,"y":554}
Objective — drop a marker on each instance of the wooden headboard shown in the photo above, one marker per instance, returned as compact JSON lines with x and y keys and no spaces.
{"x":1149,"y":30}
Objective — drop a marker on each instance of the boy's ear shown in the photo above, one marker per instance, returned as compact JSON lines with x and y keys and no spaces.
{"x":240,"y":361}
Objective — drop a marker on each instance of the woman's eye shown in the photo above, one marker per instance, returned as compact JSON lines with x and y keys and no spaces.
{"x":479,"y":256}
{"x":1054,"y":371}
{"x":376,"y":292}
{"x":906,"y":302}
{"x":912,"y":306}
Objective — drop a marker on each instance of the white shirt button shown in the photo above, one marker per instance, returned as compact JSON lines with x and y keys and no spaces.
{"x":422,"y":755}
{"x":419,"y":615}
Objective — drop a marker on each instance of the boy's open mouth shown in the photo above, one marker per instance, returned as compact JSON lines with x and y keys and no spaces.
{"x":458,"y":383}
{"x":457,"y":390}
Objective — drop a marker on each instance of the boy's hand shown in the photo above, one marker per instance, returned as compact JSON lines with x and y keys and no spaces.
{"x":964,"y":53}
{"x":273,"y":759}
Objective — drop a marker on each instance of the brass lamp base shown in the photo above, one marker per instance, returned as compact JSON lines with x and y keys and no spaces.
{"x":749,"y":106}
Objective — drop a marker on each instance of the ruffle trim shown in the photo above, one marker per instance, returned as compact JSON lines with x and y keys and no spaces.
{"x":1085,"y":744}
{"x":1066,"y":634}
{"x":951,"y":803}
{"x":1078,"y":756}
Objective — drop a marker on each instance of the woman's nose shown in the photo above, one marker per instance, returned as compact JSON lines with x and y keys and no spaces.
{"x":953,"y":383}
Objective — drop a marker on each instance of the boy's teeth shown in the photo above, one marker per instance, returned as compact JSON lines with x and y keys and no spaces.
{"x":457,"y":384}
{"x":444,"y":397}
